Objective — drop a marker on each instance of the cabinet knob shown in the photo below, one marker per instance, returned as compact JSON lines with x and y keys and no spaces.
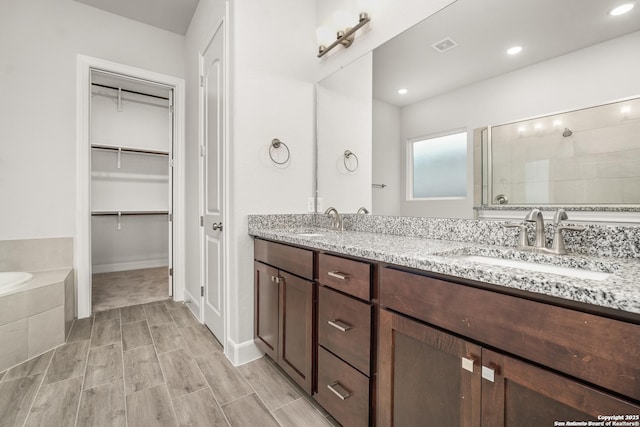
{"x":337,"y":389}
{"x":339,"y":325}
{"x":338,"y":275}
{"x":467,"y":364}
{"x":488,"y":374}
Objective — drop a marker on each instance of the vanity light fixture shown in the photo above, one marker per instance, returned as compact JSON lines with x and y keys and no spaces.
{"x":622,"y":9}
{"x":514,"y":50}
{"x":402,"y":91}
{"x":345,"y":37}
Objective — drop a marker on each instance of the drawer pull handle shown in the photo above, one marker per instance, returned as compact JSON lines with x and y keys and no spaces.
{"x":338,"y":275}
{"x":339,"y":325}
{"x":275,"y":279}
{"x":334,"y":386}
{"x":488,"y":374}
{"x":467,"y":364}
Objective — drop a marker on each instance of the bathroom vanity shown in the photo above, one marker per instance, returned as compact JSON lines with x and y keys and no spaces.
{"x":410,"y":331}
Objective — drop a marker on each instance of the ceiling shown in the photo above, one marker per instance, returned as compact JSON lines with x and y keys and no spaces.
{"x":170,"y":15}
{"x":484,"y":30}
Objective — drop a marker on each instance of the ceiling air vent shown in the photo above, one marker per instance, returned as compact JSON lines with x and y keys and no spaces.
{"x":444,"y":45}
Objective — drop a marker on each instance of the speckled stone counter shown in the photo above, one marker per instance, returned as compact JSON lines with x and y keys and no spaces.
{"x":620,"y":291}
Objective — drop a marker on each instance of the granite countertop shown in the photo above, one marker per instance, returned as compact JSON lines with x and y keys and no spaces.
{"x":620,"y":291}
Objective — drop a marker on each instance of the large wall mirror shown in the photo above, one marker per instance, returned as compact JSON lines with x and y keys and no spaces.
{"x":449,"y":80}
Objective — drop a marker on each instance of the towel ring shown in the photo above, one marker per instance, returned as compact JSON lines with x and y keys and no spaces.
{"x":348,"y":154}
{"x":275,"y":144}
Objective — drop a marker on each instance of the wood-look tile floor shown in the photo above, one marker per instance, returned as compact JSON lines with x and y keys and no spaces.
{"x":149,"y":365}
{"x":125,"y":288}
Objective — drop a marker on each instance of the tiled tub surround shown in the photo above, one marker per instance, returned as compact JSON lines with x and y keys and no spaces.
{"x":434,"y":245}
{"x":37,"y":316}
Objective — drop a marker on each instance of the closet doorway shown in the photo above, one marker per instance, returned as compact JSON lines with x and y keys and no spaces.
{"x":131,"y":186}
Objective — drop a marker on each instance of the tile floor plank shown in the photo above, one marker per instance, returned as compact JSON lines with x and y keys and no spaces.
{"x":269,"y":383}
{"x":81,"y":330}
{"x":199,"y":409}
{"x":136,"y":335}
{"x":56,"y":404}
{"x":157,"y":313}
{"x":181,"y":373}
{"x":133,"y":313}
{"x":104,"y":365}
{"x":37,"y":365}
{"x":249,"y":411}
{"x":15,"y":399}
{"x":141,"y":369}
{"x":68,"y":362}
{"x":200,"y":340}
{"x":103,"y":406}
{"x":150,"y":408}
{"x":182,"y":316}
{"x":225,"y":380}
{"x":300,"y":413}
{"x":106,"y":332}
{"x":167,"y":337}
{"x":113,"y":313}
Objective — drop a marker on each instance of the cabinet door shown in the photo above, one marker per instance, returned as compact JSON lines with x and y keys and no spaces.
{"x":296,"y":328}
{"x":517,"y":394}
{"x":425,"y":376}
{"x":266,"y":309}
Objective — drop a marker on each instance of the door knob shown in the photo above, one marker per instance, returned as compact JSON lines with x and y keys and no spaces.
{"x":217,"y":226}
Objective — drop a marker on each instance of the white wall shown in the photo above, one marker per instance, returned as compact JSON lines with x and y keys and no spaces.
{"x":344,"y":109}
{"x":271,"y":96}
{"x":39,"y":43}
{"x":386,"y":158}
{"x":591,"y":76}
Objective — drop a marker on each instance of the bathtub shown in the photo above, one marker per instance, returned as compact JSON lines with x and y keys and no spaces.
{"x":13,"y":280}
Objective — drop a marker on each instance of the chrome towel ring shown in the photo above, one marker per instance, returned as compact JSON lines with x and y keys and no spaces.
{"x":347,"y":155}
{"x":276,"y":144}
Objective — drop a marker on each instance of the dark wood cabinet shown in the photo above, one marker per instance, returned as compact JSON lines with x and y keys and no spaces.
{"x":284,"y":309}
{"x":438,"y":371}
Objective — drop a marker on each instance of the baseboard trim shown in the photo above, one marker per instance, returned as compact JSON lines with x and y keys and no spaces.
{"x":125,"y":266}
{"x":192,"y":304}
{"x":239,"y":354}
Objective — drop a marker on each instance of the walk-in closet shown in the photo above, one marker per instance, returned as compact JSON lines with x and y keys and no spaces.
{"x":131,"y":137}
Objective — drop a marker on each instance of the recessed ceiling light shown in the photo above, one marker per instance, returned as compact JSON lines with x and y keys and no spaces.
{"x":514,"y":50}
{"x":622,"y":9}
{"x":402,"y":91}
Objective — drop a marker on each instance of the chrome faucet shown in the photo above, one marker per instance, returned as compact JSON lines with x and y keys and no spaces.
{"x":363,"y":210}
{"x":539,"y":245}
{"x":536,"y":216}
{"x":336,"y":219}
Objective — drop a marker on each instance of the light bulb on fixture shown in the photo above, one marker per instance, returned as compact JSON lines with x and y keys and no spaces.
{"x":402,"y":91}
{"x":622,"y":9}
{"x":514,"y":50}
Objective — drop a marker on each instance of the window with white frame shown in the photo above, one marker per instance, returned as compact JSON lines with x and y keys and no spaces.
{"x":438,"y":167}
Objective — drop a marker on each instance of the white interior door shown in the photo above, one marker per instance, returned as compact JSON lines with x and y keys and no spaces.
{"x":213,"y":175}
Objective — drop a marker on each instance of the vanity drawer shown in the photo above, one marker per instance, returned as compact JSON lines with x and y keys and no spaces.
{"x":294,"y":260}
{"x":342,"y":390}
{"x":348,"y":276}
{"x":344,"y":327}
{"x":596,"y":349}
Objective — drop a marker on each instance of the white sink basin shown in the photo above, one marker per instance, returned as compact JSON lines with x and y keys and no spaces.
{"x":577,"y":273}
{"x":310,"y":234}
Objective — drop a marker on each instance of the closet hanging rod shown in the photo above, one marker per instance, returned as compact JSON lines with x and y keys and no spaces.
{"x":129,"y":150}
{"x":130,"y":91}
{"x":123,"y":213}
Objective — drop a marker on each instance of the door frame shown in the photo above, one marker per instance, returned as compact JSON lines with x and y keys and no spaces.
{"x":82,"y":242}
{"x":224,"y":23}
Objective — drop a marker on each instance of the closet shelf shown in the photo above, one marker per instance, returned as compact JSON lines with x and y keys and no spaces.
{"x":129,"y":150}
{"x":116,"y":213}
{"x":122,"y":176}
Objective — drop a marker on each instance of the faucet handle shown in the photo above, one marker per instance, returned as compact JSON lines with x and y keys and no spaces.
{"x":523,"y":237}
{"x":558,"y":246}
{"x":560,"y":215}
